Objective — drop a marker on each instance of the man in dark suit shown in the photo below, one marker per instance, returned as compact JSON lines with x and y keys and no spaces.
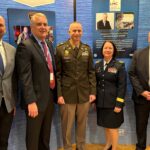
{"x":104,"y":23}
{"x":76,"y":85}
{"x":36,"y":68}
{"x":139,"y":73}
{"x":7,"y":87}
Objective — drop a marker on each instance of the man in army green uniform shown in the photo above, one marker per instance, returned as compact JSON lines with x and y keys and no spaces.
{"x":76,"y":85}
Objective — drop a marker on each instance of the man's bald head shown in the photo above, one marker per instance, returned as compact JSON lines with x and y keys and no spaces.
{"x":2,"y":27}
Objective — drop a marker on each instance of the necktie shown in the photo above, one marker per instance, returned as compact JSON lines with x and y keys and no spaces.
{"x":49,"y":63}
{"x":1,"y":63}
{"x":105,"y":66}
{"x":76,"y":50}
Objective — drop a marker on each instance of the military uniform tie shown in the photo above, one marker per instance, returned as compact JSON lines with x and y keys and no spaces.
{"x":105,"y":66}
{"x":76,"y":50}
{"x":49,"y":63}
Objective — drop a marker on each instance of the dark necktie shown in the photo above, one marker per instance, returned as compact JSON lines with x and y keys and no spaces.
{"x":49,"y":63}
{"x":1,"y":63}
{"x":105,"y":66}
{"x":76,"y":50}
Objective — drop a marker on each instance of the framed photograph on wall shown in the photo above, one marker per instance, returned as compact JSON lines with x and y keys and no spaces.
{"x":19,"y":28}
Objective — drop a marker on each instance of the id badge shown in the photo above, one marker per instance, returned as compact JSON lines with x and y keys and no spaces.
{"x":51,"y":76}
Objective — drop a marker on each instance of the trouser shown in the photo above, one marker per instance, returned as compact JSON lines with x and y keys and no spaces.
{"x":38,"y":129}
{"x":142,"y":114}
{"x":68,"y":114}
{"x":5,"y":125}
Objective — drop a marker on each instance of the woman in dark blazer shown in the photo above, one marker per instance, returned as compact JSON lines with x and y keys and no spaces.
{"x":111,"y":88}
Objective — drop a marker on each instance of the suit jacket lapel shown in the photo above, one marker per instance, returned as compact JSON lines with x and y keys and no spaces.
{"x":102,"y":65}
{"x":81,"y":50}
{"x":146,"y":63}
{"x":70,"y":48}
{"x":6,"y":57}
{"x":38,"y":48}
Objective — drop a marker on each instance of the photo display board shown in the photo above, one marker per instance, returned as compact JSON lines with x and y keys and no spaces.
{"x":115,"y":20}
{"x":19,"y":25}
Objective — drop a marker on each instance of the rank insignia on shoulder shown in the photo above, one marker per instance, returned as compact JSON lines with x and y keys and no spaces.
{"x":97,"y":61}
{"x":86,"y":44}
{"x":60,"y":44}
{"x":122,"y":62}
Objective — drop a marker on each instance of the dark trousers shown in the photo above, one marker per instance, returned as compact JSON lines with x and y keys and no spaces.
{"x":5,"y":126}
{"x":38,"y":129}
{"x":142,"y":114}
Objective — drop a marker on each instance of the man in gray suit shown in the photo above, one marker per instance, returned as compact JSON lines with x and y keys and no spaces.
{"x":7,"y":98}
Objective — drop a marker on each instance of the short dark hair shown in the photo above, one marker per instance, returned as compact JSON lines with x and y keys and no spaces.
{"x":114,"y":46}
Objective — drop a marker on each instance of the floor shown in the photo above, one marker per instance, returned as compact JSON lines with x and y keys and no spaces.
{"x":100,"y":147}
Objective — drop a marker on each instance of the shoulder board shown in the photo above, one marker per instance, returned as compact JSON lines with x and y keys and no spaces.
{"x":86,"y":45}
{"x":60,"y":44}
{"x":120,"y":61}
{"x":97,"y":61}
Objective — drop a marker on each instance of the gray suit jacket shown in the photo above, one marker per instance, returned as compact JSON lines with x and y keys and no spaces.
{"x":139,"y":74}
{"x":6,"y":80}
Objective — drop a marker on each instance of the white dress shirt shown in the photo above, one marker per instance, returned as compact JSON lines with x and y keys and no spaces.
{"x":3,"y":54}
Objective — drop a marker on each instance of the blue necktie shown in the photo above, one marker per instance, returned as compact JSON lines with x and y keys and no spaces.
{"x":1,"y":65}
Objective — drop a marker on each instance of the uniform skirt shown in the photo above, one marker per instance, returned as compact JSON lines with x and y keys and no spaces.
{"x":107,"y":118}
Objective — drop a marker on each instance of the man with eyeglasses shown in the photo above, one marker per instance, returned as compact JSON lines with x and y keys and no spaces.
{"x":36,"y":69}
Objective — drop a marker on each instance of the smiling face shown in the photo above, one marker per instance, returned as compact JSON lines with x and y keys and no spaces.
{"x":2,"y":27}
{"x":108,"y":51}
{"x":39,"y":26}
{"x":75,"y":32}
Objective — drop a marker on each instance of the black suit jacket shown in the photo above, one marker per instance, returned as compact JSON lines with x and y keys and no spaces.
{"x":138,"y":73}
{"x":111,"y":84}
{"x":100,"y":25}
{"x":34,"y":73}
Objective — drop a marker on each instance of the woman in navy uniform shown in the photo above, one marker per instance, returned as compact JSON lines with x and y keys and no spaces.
{"x":111,"y":88}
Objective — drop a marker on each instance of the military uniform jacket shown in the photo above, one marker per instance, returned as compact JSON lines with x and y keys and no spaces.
{"x":111,"y":84}
{"x":75,"y":75}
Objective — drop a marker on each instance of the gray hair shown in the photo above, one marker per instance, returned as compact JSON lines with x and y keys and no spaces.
{"x":35,"y":16}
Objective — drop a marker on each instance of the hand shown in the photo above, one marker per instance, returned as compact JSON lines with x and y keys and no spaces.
{"x":92,"y":98}
{"x":148,"y":97}
{"x":32,"y":110}
{"x":117,"y":109}
{"x":146,"y":94}
{"x":61,"y":100}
